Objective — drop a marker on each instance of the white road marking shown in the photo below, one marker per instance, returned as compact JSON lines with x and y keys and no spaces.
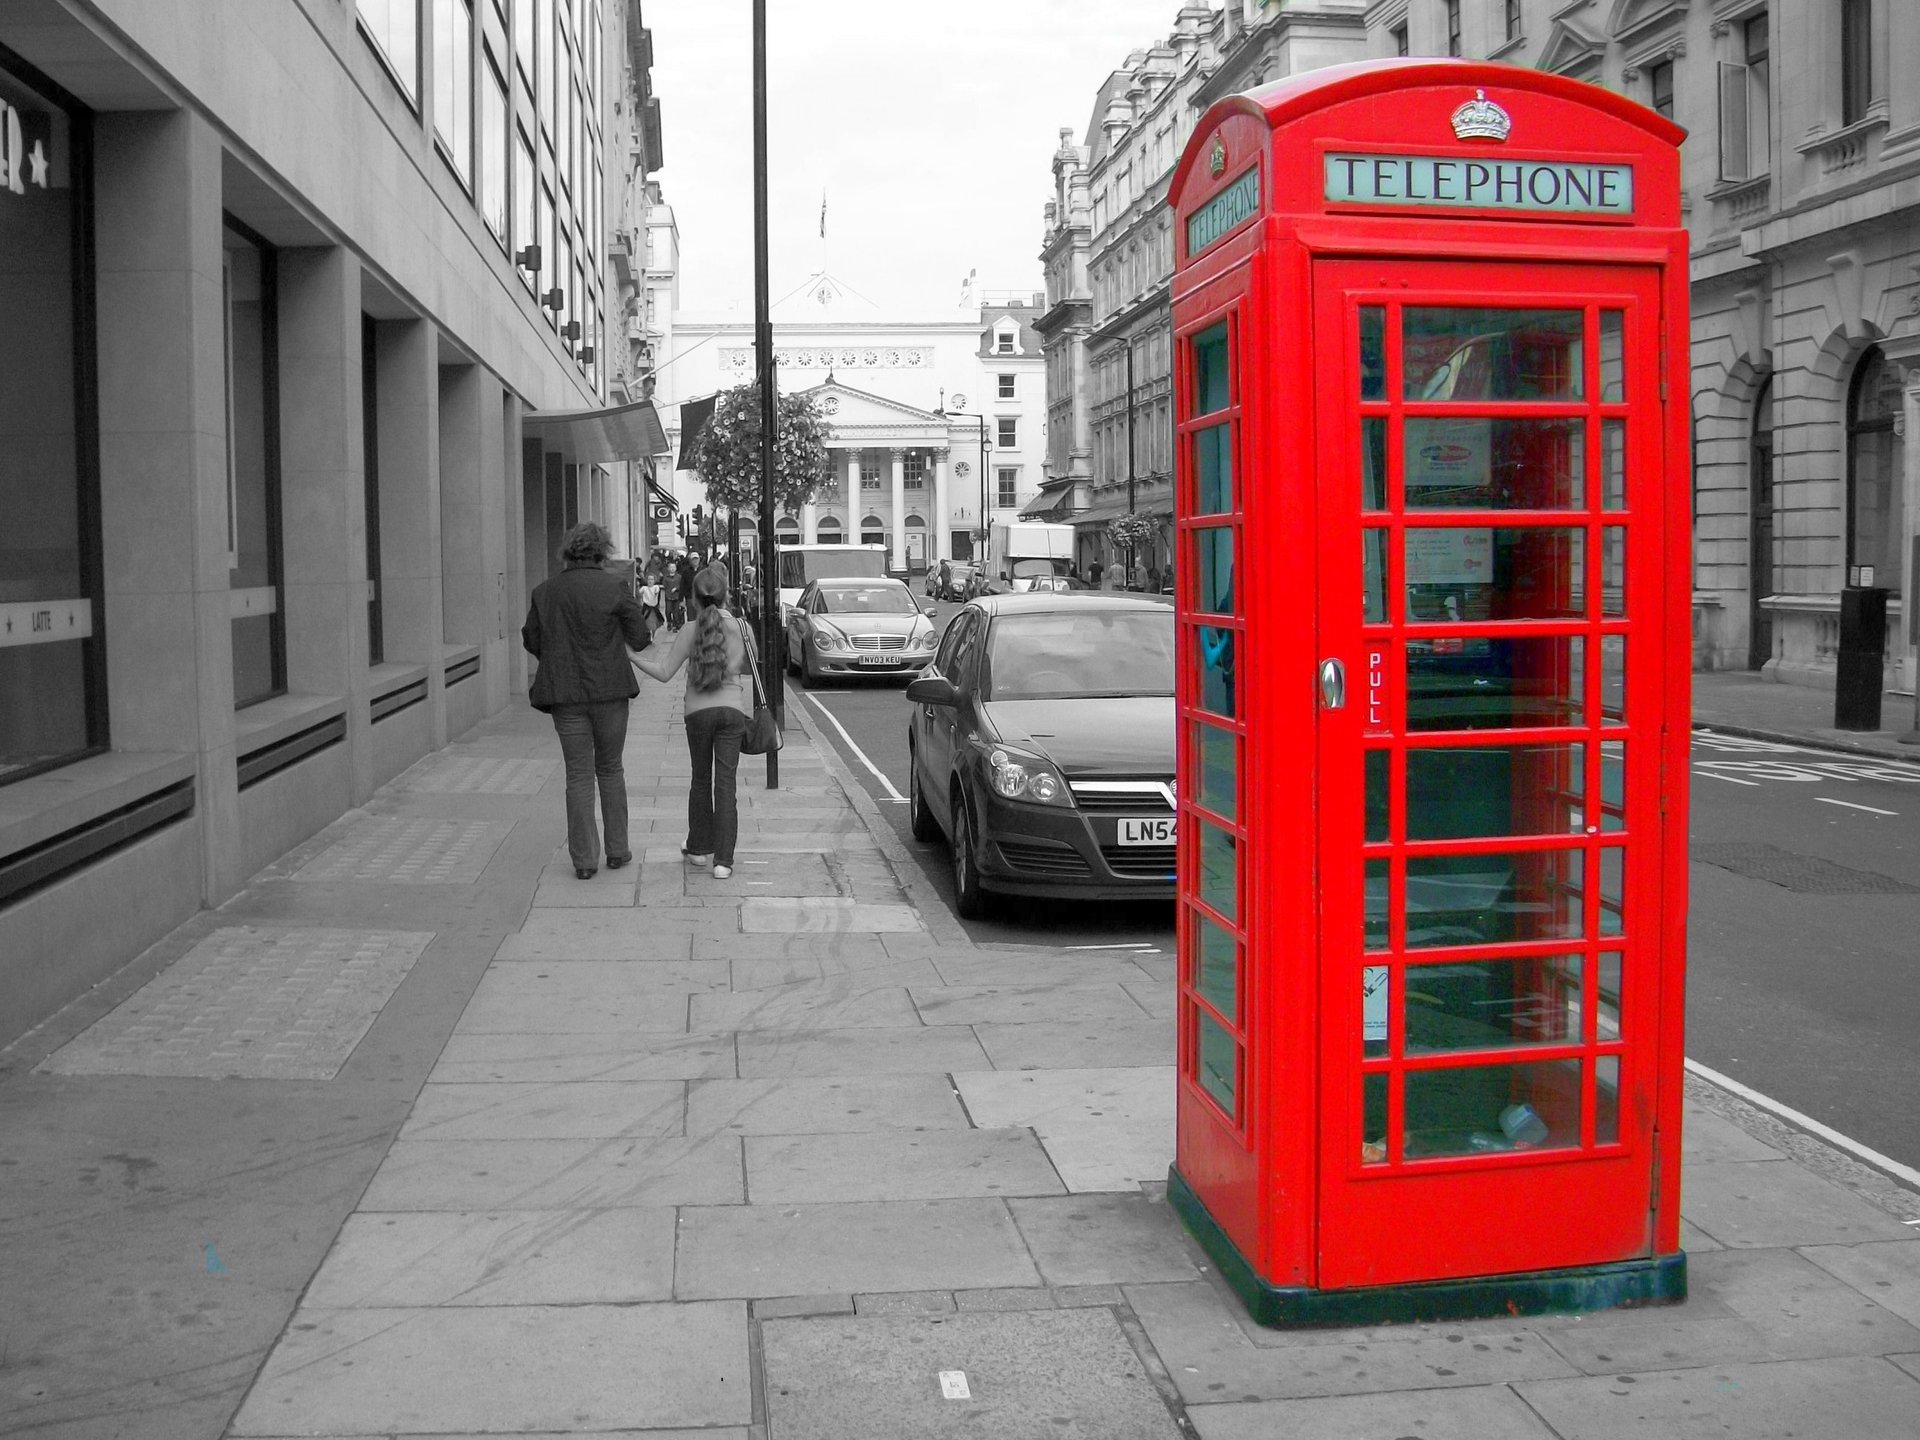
{"x":1832,"y":1136}
{"x":892,"y":794}
{"x":1731,"y":779}
{"x":1125,"y":945}
{"x":1870,"y":809}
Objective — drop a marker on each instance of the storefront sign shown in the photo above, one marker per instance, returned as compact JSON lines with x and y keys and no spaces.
{"x":1238,"y":202}
{"x":23,"y":149}
{"x":1558,"y":186}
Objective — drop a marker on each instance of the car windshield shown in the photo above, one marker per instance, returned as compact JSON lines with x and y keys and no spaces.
{"x":798,"y":567}
{"x":1081,"y":654}
{"x":880,"y":600}
{"x":1022,"y":569}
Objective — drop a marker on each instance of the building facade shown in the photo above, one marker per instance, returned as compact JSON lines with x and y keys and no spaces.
{"x":1108,"y":250}
{"x":302,"y":383}
{"x":934,"y":421}
{"x":1802,"y":189}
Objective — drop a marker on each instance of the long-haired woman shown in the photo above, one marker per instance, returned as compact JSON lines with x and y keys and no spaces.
{"x":714,"y":648}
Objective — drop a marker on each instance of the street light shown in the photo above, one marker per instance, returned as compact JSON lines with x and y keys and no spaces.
{"x":985,"y":514}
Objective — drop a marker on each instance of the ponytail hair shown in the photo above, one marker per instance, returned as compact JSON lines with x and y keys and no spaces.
{"x":707,"y":667}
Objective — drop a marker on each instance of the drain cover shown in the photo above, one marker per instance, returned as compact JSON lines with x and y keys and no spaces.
{"x":1802,"y":874}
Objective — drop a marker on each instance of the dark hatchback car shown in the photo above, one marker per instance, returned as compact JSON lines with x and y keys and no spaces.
{"x":1041,"y":745}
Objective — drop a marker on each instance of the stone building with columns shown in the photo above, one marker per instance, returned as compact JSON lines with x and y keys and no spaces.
{"x":1801,"y":174}
{"x":935,"y":421}
{"x":304,"y":377}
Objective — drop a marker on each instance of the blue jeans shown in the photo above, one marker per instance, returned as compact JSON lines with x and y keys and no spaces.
{"x":591,"y":739}
{"x":713,"y":816}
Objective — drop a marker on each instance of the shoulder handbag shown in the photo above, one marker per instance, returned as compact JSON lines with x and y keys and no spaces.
{"x":763,"y":733}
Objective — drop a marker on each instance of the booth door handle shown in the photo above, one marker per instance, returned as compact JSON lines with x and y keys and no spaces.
{"x":1333,"y":685}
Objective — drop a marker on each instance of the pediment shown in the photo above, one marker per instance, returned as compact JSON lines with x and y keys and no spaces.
{"x":1569,"y":47}
{"x":1633,"y":19}
{"x":848,"y":408}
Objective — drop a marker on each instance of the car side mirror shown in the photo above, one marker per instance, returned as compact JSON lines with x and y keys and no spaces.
{"x":932,"y":690}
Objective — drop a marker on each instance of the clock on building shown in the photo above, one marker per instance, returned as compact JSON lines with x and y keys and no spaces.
{"x":962,"y":469}
{"x":959,"y":401}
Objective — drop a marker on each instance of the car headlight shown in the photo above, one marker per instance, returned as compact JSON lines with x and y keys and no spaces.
{"x":1019,"y":775}
{"x":825,"y":637}
{"x":925,"y":640}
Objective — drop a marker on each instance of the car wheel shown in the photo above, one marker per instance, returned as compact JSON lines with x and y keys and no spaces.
{"x":919,"y":819}
{"x":969,"y":900}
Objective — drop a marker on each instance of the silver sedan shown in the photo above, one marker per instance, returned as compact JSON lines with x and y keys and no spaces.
{"x":848,"y":627}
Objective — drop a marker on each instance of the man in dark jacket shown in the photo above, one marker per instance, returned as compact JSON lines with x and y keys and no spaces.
{"x":579,"y":627}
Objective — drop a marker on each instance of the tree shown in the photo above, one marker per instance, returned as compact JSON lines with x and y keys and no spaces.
{"x":727,"y":454}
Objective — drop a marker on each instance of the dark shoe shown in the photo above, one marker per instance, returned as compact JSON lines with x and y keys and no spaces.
{"x":619,"y":862}
{"x":582,"y":873}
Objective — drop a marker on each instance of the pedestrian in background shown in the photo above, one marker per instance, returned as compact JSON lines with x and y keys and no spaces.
{"x":1093,"y":574}
{"x":579,"y":627}
{"x":719,"y":707}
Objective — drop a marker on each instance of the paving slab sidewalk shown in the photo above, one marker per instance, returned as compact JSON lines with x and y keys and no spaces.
{"x":663,"y":1155}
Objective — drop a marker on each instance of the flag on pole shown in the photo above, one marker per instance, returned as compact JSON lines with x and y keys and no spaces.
{"x":694,"y":417}
{"x":823,"y":214}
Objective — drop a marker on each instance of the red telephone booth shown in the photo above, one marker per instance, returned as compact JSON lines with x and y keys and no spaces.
{"x":1430,"y":322}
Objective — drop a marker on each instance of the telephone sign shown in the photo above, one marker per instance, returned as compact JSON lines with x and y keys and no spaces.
{"x":1432,"y":790}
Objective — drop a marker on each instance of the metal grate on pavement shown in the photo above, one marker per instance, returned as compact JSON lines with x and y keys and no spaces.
{"x":1802,"y":874}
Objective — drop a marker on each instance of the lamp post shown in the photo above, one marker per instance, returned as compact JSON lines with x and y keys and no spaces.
{"x":1129,"y":576}
{"x":985,"y":514}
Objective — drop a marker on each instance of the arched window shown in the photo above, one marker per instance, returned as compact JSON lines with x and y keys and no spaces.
{"x":873,"y":531}
{"x":829,"y":528}
{"x":1876,"y":510}
{"x":787,"y":528}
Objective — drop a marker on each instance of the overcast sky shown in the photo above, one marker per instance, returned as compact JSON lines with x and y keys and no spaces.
{"x":931,"y":128}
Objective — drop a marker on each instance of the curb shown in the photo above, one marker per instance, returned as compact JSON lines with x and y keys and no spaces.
{"x":1814,"y":742}
{"x":926,"y":901}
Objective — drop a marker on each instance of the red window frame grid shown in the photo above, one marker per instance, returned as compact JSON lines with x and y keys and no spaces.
{"x":1189,"y":715}
{"x":1596,"y":730}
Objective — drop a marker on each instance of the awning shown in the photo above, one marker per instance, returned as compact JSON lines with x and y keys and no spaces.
{"x":1047,"y":504}
{"x":600,"y":437}
{"x":657,"y":495}
{"x":1101,"y":514}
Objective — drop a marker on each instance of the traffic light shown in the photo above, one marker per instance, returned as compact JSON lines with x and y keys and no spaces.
{"x":698,"y":520}
{"x":682,"y":521}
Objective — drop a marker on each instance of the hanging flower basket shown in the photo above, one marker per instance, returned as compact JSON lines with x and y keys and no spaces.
{"x":1134,"y":529}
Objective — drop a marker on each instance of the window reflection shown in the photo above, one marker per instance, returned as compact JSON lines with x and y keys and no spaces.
{"x":1373,"y":353}
{"x":1216,"y":966}
{"x":1210,"y":387}
{"x":1213,"y":470}
{"x":1485,"y":354}
{"x":1470,"y":464}
{"x":1492,"y":1109}
{"x":1480,"y":684}
{"x":1219,"y":871}
{"x":1217,"y":1055}
{"x":1495,"y":573}
{"x":1215,"y":769}
{"x":1479,"y":792}
{"x":1490,"y":899}
{"x":1492,"y":1004}
{"x":1379,"y":782}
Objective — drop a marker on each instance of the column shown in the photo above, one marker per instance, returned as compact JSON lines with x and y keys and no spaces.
{"x":163,"y":463}
{"x":407,"y":431}
{"x":809,"y":523}
{"x":323,"y":491}
{"x":898,"y":524}
{"x":855,"y":500}
{"x":942,"y":523}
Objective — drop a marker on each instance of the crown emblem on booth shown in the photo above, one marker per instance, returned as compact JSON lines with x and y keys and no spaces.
{"x":1481,"y":119}
{"x":1217,"y":157}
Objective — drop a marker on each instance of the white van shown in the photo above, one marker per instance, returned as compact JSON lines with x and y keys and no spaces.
{"x":801,"y":565}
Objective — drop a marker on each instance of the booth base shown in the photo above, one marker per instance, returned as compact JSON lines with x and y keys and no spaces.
{"x":1659,"y":1280}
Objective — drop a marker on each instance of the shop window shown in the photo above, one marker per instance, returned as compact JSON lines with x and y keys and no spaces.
{"x":1856,"y":60}
{"x":253,"y":461}
{"x":394,"y":28}
{"x":52,"y":695}
{"x":1876,"y":507}
{"x":453,"y":84}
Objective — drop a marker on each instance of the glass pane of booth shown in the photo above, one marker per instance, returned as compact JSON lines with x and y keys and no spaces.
{"x":1217,"y":1055}
{"x":1216,"y":967}
{"x":1213,"y":558}
{"x":1613,"y":357}
{"x":1613,"y":464}
{"x":1492,"y":1109}
{"x":1613,"y":899}
{"x":1216,"y":769}
{"x":1486,"y":573}
{"x":1492,"y":899}
{"x":1219,"y":871}
{"x":1491,"y":1004}
{"x":1213,"y":470}
{"x":1379,"y":765}
{"x":1375,"y":903}
{"x":1475,"y":792}
{"x":1607,"y":1006}
{"x":1373,"y":1119}
{"x":1497,"y":683}
{"x":1472,"y":464}
{"x":1373,"y":569}
{"x":1486,"y":354}
{"x":1210,"y":388}
{"x":1373,"y":465}
{"x":1374,"y":1033}
{"x":1613,"y":679}
{"x":1613,"y":571}
{"x":1214,"y":655}
{"x":1606,"y":1100}
{"x":1373,"y":353}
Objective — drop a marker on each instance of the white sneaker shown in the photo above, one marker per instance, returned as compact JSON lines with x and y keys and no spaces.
{"x":722,"y":872}
{"x":699,"y":862}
